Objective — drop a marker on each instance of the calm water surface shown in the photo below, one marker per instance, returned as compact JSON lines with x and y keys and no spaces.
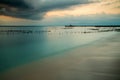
{"x":20,"y":45}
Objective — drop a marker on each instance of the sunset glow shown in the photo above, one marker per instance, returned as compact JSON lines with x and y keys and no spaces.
{"x":88,"y":9}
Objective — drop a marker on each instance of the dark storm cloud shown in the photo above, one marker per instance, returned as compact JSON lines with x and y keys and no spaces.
{"x":14,"y":3}
{"x":34,"y":9}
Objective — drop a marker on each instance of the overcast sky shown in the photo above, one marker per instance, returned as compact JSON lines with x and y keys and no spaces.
{"x":59,"y":12}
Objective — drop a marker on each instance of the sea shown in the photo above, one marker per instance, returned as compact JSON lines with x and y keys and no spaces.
{"x":22,"y":45}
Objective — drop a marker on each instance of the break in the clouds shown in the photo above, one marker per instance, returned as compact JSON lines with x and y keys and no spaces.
{"x":34,"y":9}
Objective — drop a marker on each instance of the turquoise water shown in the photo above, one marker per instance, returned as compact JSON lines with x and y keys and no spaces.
{"x":20,"y":45}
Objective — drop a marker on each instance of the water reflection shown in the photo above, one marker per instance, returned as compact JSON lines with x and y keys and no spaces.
{"x":25,"y":44}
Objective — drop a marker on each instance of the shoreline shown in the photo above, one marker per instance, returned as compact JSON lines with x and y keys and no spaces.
{"x":74,"y":64}
{"x":62,"y":52}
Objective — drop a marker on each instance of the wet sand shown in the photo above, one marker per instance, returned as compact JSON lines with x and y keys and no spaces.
{"x":96,"y":61}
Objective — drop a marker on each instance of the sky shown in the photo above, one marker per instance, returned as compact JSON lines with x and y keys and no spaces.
{"x":59,"y":12}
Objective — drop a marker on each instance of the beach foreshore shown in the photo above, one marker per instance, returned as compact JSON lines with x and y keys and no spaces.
{"x":96,"y":61}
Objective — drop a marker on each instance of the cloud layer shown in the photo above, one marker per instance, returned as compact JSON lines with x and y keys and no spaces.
{"x":101,"y":7}
{"x":34,"y":9}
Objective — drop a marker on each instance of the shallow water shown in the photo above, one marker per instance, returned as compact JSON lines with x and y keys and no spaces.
{"x":20,"y":45}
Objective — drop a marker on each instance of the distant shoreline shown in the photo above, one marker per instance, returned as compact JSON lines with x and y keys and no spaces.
{"x":63,"y":25}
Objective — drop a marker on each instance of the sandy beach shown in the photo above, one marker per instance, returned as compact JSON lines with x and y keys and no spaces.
{"x":96,"y":61}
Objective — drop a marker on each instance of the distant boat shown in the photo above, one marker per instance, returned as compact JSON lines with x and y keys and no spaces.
{"x":69,"y":25}
{"x":94,"y":29}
